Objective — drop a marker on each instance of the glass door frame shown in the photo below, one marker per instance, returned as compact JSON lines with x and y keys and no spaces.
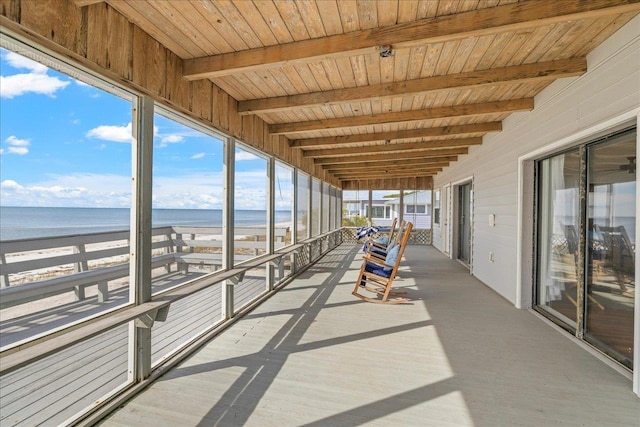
{"x":582,"y":265}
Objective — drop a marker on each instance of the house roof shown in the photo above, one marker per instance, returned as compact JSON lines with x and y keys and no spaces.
{"x":380,"y":90}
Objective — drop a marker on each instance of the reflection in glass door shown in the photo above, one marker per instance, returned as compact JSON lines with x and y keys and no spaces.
{"x":585,"y":274}
{"x":557,"y":236}
{"x":611,"y":252}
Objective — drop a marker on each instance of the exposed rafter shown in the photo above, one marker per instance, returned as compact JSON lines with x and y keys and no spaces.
{"x":399,"y":155}
{"x":386,"y":172}
{"x":463,"y":110}
{"x":414,"y":182}
{"x":398,"y":135}
{"x":394,"y":148}
{"x":388,"y":176}
{"x":439,"y":162}
{"x":477,"y":23}
{"x":525,"y":73}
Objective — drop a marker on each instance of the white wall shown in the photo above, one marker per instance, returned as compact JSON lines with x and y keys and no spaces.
{"x":420,"y":221}
{"x":564,"y":112}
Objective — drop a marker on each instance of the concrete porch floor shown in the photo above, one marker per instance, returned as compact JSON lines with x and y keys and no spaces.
{"x":458,"y":355}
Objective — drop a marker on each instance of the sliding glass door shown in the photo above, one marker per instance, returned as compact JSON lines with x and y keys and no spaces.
{"x":464,"y":223}
{"x":585,"y":276}
{"x":611,"y":252}
{"x":558,"y":221}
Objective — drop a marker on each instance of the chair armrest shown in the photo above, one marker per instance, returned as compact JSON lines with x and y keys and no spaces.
{"x":376,"y":261}
{"x":376,"y":256}
{"x":379,"y":245}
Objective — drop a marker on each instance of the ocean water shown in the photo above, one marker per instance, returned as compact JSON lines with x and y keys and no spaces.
{"x":32,"y":222}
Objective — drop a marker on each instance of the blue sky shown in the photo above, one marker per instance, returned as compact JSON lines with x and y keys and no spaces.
{"x":65,"y":143}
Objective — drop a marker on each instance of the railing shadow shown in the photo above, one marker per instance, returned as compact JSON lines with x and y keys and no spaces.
{"x":261,"y":368}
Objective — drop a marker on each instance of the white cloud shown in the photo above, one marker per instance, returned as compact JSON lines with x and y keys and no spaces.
{"x":77,"y":190}
{"x":196,"y":191}
{"x":10,"y":184}
{"x":35,"y":81}
{"x":111,"y":133}
{"x":198,"y":156}
{"x":19,"y":61}
{"x":251,"y":190}
{"x":16,"y":145}
{"x":168,"y":139}
{"x":245,"y":155}
{"x":171,"y":139}
{"x":20,"y":84}
{"x":21,"y":151}
{"x":16,"y":142}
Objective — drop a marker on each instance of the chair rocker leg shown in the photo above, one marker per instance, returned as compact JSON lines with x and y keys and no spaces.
{"x":383,"y":293}
{"x":382,"y":301}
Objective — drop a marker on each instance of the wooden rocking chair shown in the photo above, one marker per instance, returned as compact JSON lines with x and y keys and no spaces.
{"x":392,"y":231}
{"x":380,"y":249}
{"x":377,"y":276}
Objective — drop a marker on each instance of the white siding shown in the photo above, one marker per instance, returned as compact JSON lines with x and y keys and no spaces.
{"x":420,"y":221}
{"x":568,"y":107}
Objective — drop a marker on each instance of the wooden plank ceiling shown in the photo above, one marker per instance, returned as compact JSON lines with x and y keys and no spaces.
{"x":388,"y":88}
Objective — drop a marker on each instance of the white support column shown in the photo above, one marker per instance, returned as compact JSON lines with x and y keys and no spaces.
{"x":370,"y":209}
{"x":294,"y":216}
{"x":321,"y":210}
{"x":294,"y":208}
{"x":309,"y":205}
{"x":332,"y":208}
{"x":339,"y":194}
{"x":271,"y":175}
{"x":401,"y":208}
{"x":140,"y":246}
{"x":227,"y":224}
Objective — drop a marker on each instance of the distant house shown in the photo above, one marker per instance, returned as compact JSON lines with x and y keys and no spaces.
{"x":381,"y":213}
{"x":417,"y":209}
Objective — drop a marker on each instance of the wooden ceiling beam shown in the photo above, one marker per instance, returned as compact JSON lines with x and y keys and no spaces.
{"x":392,"y":148}
{"x":399,"y":155}
{"x":398,"y":135}
{"x":337,"y":169}
{"x":356,"y":164}
{"x":524,"y":73}
{"x":407,"y":171}
{"x":476,"y":23}
{"x":455,"y":111}
{"x":416,"y":183}
{"x":389,"y":174}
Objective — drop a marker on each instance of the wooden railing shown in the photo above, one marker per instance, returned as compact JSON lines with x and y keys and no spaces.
{"x":305,"y":252}
{"x":418,"y":236}
{"x":73,"y":263}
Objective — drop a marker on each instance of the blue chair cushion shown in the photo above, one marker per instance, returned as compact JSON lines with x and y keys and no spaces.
{"x":376,"y":269}
{"x":384,"y":240}
{"x":392,"y":257}
{"x":379,"y":251}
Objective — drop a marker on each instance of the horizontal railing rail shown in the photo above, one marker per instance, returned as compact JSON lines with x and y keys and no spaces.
{"x":179,"y":245}
{"x":419,"y":236}
{"x":157,"y":309}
